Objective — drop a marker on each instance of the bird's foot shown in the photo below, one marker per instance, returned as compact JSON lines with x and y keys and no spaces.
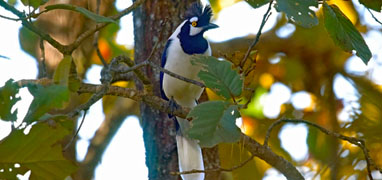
{"x":173,"y":106}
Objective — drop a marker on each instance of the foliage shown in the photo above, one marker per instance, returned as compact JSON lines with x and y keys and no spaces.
{"x":8,"y":99}
{"x":35,"y":3}
{"x":38,"y":151}
{"x":219,"y":76}
{"x":344,"y":33}
{"x":214,"y":122}
{"x":298,"y":11}
{"x":45,"y":99}
{"x":372,"y":4}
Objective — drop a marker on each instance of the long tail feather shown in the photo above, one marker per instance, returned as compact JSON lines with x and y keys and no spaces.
{"x":190,"y":157}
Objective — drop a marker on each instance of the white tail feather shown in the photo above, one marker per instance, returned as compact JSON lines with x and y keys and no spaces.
{"x":190,"y":157}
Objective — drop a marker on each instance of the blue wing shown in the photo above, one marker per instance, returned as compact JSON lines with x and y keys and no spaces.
{"x":163,"y":63}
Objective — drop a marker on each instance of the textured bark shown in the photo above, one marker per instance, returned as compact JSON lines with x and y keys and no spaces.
{"x":158,"y":130}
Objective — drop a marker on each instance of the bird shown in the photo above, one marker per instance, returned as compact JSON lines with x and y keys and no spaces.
{"x":186,"y":41}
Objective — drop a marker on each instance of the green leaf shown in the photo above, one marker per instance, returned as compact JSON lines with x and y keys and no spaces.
{"x":38,"y":151}
{"x":219,"y":76}
{"x":257,"y":3}
{"x":61,"y":74}
{"x":95,"y":17}
{"x":7,"y":100}
{"x":344,"y":34}
{"x":213,"y":122}
{"x":372,"y":4}
{"x":45,"y":99}
{"x":12,"y":2}
{"x":298,"y":11}
{"x":34,"y":3}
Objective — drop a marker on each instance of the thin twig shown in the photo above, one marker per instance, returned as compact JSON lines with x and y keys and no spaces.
{"x":96,"y":37}
{"x":99,"y":26}
{"x":356,"y":141}
{"x":76,"y":133}
{"x":31,"y":27}
{"x":9,"y":18}
{"x":4,"y":57}
{"x":375,"y":18}
{"x":216,"y":169}
{"x":176,"y":75}
{"x":265,"y":19}
{"x":66,"y":49}
{"x":42,"y":58}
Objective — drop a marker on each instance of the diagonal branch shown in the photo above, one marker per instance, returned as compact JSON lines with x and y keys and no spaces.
{"x":356,"y":141}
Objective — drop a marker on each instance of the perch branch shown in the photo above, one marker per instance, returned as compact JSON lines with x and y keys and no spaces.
{"x":258,"y":150}
{"x":216,"y":169}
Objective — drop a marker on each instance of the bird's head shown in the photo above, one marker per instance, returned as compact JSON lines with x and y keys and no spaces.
{"x":198,"y":19}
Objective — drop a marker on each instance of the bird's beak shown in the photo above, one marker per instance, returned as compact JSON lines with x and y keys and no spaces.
{"x":210,"y":26}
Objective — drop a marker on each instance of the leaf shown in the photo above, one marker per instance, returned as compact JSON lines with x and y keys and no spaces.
{"x":344,"y":34}
{"x":219,"y":76}
{"x":61,"y":74}
{"x":34,"y":3}
{"x":372,"y":4}
{"x":213,"y":122}
{"x":95,"y":17}
{"x":38,"y":151}
{"x":7,"y":100}
{"x":45,"y":99}
{"x":298,"y":11}
{"x":257,"y":3}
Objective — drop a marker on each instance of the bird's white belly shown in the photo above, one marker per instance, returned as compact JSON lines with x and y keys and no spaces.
{"x":184,"y":93}
{"x":178,"y":62}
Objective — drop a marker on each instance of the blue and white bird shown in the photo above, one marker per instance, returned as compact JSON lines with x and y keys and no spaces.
{"x":183,"y":43}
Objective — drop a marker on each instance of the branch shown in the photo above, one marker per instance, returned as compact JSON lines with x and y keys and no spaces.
{"x":265,"y":19}
{"x":261,"y":151}
{"x":356,"y":141}
{"x":197,"y":83}
{"x":375,"y":18}
{"x":216,"y":169}
{"x":99,"y":26}
{"x":66,"y":49}
{"x":104,"y":135}
{"x":30,"y":26}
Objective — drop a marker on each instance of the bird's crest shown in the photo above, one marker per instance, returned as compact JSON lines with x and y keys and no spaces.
{"x":196,"y":10}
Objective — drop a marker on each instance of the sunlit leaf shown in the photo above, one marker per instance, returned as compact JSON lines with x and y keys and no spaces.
{"x":7,"y":100}
{"x":219,"y":76}
{"x":344,"y":34}
{"x":257,"y":3}
{"x":213,"y":122}
{"x":83,"y":11}
{"x":61,"y":74}
{"x":372,"y":4}
{"x":298,"y":11}
{"x":45,"y":99}
{"x":34,"y":3}
{"x":38,"y":151}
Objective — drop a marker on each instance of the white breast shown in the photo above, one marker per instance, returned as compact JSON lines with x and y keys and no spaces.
{"x":179,"y":62}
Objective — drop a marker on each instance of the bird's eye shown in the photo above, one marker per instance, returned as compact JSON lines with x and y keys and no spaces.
{"x":194,"y":23}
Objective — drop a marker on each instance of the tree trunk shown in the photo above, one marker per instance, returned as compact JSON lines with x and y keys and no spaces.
{"x":158,"y":130}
